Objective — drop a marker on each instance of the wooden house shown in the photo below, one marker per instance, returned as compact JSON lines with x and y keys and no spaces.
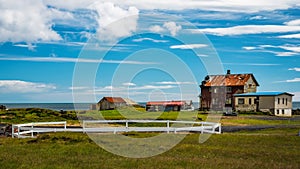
{"x":277,"y":103}
{"x":110,"y":103}
{"x":217,"y":90}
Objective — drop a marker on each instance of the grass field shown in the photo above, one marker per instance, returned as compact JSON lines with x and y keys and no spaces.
{"x":76,"y":150}
{"x":269,"y":148}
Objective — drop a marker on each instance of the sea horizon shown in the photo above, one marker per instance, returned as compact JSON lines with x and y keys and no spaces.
{"x":83,"y":106}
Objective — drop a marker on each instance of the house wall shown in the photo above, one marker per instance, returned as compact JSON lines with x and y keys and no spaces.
{"x":284,"y":107}
{"x":250,"y":86}
{"x":249,"y":104}
{"x":105,"y":105}
{"x":266,"y":103}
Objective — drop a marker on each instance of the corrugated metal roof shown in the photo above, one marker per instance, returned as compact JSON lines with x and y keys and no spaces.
{"x":115,"y":99}
{"x":229,"y":80}
{"x":262,"y":94}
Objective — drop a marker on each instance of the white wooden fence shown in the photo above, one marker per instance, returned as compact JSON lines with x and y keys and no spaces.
{"x":116,"y":126}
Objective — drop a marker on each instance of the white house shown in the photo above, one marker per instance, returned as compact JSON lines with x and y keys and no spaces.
{"x":278,"y":103}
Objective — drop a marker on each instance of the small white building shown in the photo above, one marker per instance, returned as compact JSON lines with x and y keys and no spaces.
{"x":277,"y":103}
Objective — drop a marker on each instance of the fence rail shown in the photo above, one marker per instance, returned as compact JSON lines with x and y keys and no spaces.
{"x":115,"y":126}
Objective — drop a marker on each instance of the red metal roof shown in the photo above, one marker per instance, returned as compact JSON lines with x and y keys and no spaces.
{"x":115,"y":99}
{"x":166,"y":103}
{"x":229,"y":80}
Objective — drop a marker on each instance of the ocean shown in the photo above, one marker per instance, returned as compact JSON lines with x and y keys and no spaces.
{"x":52,"y":106}
{"x":79,"y":106}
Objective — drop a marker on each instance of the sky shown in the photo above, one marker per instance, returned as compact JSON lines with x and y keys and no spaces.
{"x":79,"y":51}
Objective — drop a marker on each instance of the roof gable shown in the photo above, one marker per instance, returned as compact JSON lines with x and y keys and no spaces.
{"x":114,"y":99}
{"x":228,"y":80}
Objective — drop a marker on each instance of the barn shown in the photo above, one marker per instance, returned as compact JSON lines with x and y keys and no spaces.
{"x":110,"y":103}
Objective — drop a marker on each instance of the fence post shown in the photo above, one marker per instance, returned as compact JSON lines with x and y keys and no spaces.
{"x":18,"y":131}
{"x":65,"y":125}
{"x":168,"y":126}
{"x":12,"y":131}
{"x":126,"y":125}
{"x":202,"y":128}
{"x":83,"y":126}
{"x":31,"y":130}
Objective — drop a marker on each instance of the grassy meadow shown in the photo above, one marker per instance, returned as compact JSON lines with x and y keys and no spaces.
{"x":269,"y":148}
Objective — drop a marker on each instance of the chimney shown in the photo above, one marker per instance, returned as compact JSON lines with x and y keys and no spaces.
{"x":228,"y":72}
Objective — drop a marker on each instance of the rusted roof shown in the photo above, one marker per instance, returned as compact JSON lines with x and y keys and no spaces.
{"x":166,"y":103}
{"x":115,"y":99}
{"x":229,"y":80}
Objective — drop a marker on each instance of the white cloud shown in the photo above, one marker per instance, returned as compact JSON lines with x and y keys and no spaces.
{"x":249,"y":48}
{"x":172,"y":27}
{"x":284,"y":53}
{"x":129,"y":84}
{"x":207,"y":5}
{"x":290,"y":50}
{"x":257,"y":17}
{"x":293,"y":80}
{"x":188,"y":46}
{"x":26,"y":21}
{"x":18,"y":86}
{"x":202,"y":55}
{"x":147,"y":87}
{"x":175,"y":83}
{"x":295,"y":69}
{"x":156,"y":29}
{"x":296,"y":96}
{"x":291,"y":36}
{"x":115,"y":22}
{"x":150,"y":39}
{"x":247,"y":29}
{"x":293,"y":22}
{"x":29,"y":46}
{"x":73,"y":60}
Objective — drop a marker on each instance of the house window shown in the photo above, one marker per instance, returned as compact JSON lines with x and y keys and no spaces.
{"x":286,"y":100}
{"x":215,"y":90}
{"x":282,"y":100}
{"x":282,"y":111}
{"x":241,"y":101}
{"x":209,"y":89}
{"x":250,"y":101}
{"x":214,"y":101}
{"x":277,"y":111}
{"x":228,"y":89}
{"x":278,"y":101}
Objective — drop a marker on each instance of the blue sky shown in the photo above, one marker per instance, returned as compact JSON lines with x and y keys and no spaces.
{"x":65,"y":51}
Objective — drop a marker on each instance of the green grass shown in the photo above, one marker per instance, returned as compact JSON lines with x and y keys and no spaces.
{"x":270,"y":148}
{"x":249,"y":120}
{"x":76,"y":150}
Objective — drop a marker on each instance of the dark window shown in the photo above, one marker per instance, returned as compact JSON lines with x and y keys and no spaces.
{"x":241,"y":101}
{"x":282,"y":100}
{"x":286,"y":101}
{"x":228,"y":89}
{"x":277,"y":111}
{"x":282,"y":111}
{"x":278,"y":100}
{"x":250,"y":101}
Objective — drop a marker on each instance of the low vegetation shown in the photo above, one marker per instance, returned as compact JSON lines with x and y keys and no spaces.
{"x":269,"y":148}
{"x":76,"y":150}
